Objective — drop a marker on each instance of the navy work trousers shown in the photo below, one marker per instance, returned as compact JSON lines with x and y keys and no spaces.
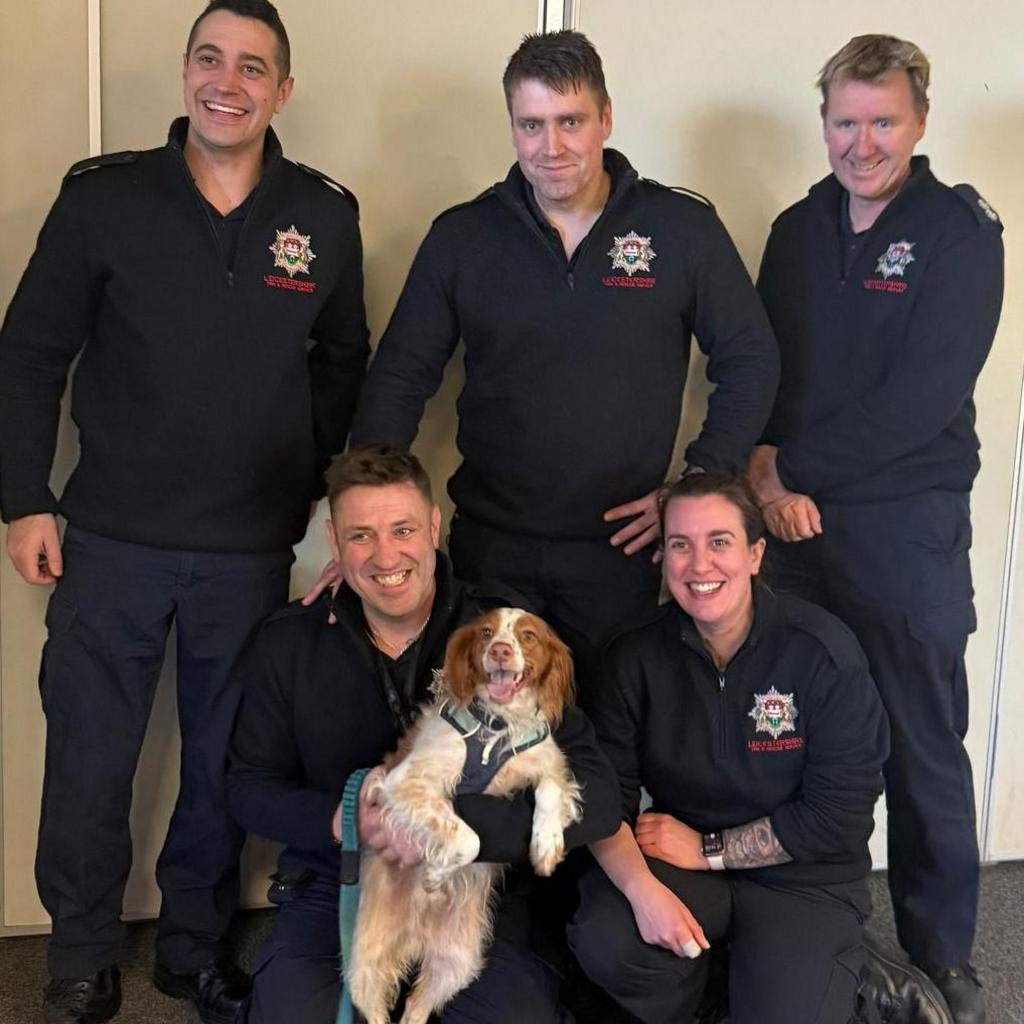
{"x":296,"y":980}
{"x":108,"y":621}
{"x":585,"y":589}
{"x":796,"y":951}
{"x":898,"y":573}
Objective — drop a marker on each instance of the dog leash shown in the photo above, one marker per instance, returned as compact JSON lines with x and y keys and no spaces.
{"x":348,"y":896}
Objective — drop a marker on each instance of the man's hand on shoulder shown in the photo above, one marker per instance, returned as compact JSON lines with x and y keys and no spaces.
{"x":330,"y":579}
{"x":33,"y":545}
{"x":642,"y":530}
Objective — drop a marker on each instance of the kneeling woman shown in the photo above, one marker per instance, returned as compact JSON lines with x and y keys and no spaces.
{"x":753,"y":723}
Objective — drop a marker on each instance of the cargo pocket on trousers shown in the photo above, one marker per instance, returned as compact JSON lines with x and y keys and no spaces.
{"x":944,"y":630}
{"x":840,"y":997}
{"x":946,"y":623}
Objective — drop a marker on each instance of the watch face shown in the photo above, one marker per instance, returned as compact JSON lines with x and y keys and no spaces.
{"x":713,"y":844}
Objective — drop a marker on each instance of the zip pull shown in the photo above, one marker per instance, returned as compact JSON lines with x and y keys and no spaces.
{"x":231,"y":279}
{"x":572,"y":281}
{"x":721,"y":684}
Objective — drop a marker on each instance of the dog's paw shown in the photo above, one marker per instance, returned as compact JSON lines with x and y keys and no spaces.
{"x":434,"y":876}
{"x":464,"y":848}
{"x":547,"y":850}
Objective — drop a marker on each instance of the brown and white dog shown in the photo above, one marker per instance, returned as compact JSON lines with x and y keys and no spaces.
{"x":505,"y":684}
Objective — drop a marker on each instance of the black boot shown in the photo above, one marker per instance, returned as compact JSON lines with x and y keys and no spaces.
{"x":91,"y":1000}
{"x":216,"y":989}
{"x":963,"y":993}
{"x":895,"y":992}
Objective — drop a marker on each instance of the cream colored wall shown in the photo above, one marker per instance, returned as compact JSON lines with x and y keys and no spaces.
{"x":719,"y":97}
{"x":1007,"y":796}
{"x":43,"y":130}
{"x":401,"y":102}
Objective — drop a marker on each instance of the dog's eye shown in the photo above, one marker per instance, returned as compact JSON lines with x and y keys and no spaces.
{"x":529,"y":635}
{"x":486,"y":632}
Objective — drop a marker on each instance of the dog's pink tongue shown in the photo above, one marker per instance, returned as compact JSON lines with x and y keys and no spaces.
{"x":502,"y":687}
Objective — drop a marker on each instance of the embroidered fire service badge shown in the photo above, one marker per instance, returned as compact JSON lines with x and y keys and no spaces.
{"x":895,"y":259}
{"x":292,"y":252}
{"x":631,"y":253}
{"x":774,"y":713}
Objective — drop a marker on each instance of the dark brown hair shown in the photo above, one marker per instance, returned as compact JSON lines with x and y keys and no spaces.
{"x":376,"y":465}
{"x":732,"y":488}
{"x":258,"y":10}
{"x":563,"y":61}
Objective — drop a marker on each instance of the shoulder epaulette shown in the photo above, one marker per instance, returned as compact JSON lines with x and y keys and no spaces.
{"x":682,"y":191}
{"x":487,"y":192}
{"x":330,"y":183}
{"x":92,"y":163}
{"x":980,"y":207}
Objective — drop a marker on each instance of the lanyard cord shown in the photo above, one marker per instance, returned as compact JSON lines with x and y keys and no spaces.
{"x":348,"y":896}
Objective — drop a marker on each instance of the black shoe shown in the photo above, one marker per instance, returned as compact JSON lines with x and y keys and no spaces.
{"x":91,"y":1000}
{"x":896,"y":992}
{"x":216,"y":989}
{"x":963,"y":993}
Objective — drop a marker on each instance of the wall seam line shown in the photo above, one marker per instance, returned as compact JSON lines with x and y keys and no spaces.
{"x":95,"y":80}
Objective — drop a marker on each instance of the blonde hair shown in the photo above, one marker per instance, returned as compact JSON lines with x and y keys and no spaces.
{"x":868,"y":58}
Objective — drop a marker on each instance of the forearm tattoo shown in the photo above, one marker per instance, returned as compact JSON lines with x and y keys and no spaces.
{"x":753,"y":846}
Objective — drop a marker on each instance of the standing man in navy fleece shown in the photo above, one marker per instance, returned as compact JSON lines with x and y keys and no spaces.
{"x":575,"y":286}
{"x":213,"y":290}
{"x":884,"y":287}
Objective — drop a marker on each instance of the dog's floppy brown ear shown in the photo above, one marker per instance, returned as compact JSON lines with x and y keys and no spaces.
{"x":459,"y":667}
{"x":557,"y":688}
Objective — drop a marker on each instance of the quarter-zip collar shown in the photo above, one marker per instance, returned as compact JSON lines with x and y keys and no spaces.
{"x":766,"y":614}
{"x":827,"y":195}
{"x":272,"y":151}
{"x":272,"y":157}
{"x":426,"y":654}
{"x":517,"y":193}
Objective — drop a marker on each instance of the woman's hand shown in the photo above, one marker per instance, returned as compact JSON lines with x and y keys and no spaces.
{"x":668,"y":839}
{"x":663,"y":919}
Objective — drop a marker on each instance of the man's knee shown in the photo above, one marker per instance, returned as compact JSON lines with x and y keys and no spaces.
{"x":290,"y":989}
{"x":296,"y":977}
{"x":516,"y":985}
{"x":603,"y":934}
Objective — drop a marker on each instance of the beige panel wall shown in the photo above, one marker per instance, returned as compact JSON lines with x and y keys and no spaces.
{"x":719,"y":98}
{"x":1007,"y":796}
{"x":402,"y":103}
{"x":43,"y":130}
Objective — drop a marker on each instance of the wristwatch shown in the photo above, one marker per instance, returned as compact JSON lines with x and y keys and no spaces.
{"x":712,"y":845}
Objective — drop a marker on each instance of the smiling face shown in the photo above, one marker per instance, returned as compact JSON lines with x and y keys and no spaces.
{"x":511,"y":660}
{"x":232,"y":84}
{"x":709,"y":564}
{"x":559,"y":140}
{"x":385,"y":540}
{"x":871,"y":129}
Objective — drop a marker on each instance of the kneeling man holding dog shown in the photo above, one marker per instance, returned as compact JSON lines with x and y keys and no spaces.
{"x":330,"y":689}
